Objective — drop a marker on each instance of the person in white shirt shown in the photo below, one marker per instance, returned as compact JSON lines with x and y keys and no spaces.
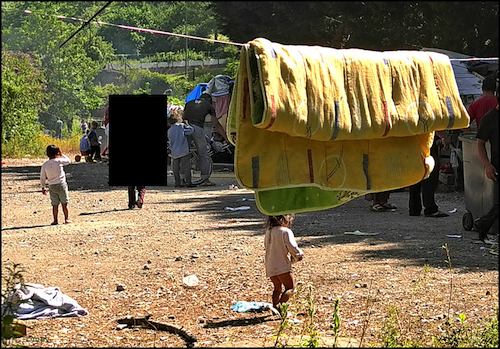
{"x":281,"y":251}
{"x":53,"y":174}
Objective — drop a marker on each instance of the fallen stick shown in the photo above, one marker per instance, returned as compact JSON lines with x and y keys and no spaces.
{"x":158,"y":326}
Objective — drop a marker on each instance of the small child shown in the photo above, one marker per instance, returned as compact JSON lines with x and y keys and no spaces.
{"x":95,"y":145}
{"x":281,"y":251}
{"x":53,"y":172}
{"x":179,"y":149}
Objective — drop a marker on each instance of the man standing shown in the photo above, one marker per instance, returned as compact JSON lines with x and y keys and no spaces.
{"x":195,"y":112}
{"x":59,"y":127}
{"x":487,"y":102}
{"x":488,"y":131}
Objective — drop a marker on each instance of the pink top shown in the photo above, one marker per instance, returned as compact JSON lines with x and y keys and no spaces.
{"x":53,"y":171}
{"x":280,"y":245}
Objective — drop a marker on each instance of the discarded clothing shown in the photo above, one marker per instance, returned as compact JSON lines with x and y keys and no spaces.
{"x":40,"y":303}
{"x":315,"y":127}
{"x":243,"y":306}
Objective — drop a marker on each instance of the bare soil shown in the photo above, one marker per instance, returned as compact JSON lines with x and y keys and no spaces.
{"x":184,"y":231}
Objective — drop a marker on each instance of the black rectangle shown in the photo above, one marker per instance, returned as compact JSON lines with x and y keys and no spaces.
{"x":137,"y":140}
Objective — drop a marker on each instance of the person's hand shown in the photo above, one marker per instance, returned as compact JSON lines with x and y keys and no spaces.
{"x":491,"y":172}
{"x":44,"y":191}
{"x":300,"y":257}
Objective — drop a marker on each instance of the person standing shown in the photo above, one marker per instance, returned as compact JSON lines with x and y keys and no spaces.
{"x":195,"y":112}
{"x":281,"y":251}
{"x":488,"y":132}
{"x":53,"y":174}
{"x":423,"y":191}
{"x":136,"y":199}
{"x":487,"y":102}
{"x":83,"y":126}
{"x":95,"y":145}
{"x":59,"y":127}
{"x":179,"y":149}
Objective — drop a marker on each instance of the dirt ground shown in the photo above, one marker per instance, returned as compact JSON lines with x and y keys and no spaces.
{"x":184,"y":231}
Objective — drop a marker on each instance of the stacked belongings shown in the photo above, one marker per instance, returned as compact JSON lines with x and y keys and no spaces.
{"x":315,"y":127}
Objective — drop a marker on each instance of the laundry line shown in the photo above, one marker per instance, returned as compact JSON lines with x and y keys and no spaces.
{"x":152,"y":31}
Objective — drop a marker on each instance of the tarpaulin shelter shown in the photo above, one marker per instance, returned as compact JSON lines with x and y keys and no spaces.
{"x":197,"y":91}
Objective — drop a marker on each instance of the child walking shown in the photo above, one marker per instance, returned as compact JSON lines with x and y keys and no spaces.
{"x":281,"y":251}
{"x":179,"y":149}
{"x":53,"y":173}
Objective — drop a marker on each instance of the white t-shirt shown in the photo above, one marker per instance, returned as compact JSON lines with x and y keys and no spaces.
{"x":279,"y":243}
{"x":53,"y":171}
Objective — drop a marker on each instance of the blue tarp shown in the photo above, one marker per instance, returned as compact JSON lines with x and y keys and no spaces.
{"x":196,"y":93}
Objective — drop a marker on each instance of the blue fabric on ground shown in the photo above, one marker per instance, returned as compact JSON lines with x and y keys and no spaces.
{"x":243,"y":306}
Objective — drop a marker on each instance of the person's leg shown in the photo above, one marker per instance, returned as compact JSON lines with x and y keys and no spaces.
{"x":55,"y":211}
{"x":98,"y":152}
{"x":429,"y":185}
{"x":131,"y":197}
{"x":201,"y":147}
{"x":415,"y":203}
{"x":287,"y":281}
{"x":185,"y":169}
{"x":66,"y":213}
{"x":176,"y":167}
{"x":277,"y":290}
{"x":141,"y":191}
{"x":484,"y":223}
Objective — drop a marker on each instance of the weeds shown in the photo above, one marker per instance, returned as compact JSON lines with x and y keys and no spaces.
{"x":336,"y":321}
{"x":448,"y":261}
{"x":13,"y":277}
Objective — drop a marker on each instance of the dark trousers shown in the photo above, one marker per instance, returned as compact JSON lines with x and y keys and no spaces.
{"x":427,"y":187}
{"x":181,"y":166}
{"x":132,"y":198}
{"x":95,"y":152}
{"x":381,"y":197}
{"x":485,"y":222}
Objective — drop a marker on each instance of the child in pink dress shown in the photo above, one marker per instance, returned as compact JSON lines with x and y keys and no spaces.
{"x":281,"y":251}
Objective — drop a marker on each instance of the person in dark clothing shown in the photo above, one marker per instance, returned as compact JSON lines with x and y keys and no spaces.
{"x":133,"y":199}
{"x":428,"y":186}
{"x":488,"y":132}
{"x":95,"y":146}
{"x":195,"y":112}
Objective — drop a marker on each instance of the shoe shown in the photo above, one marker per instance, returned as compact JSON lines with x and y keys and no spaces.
{"x":377,"y":208}
{"x":139,"y":204}
{"x":131,"y":207}
{"x":191,"y":185}
{"x":388,"y":206}
{"x":207,"y":183}
{"x":437,"y":214}
{"x":413,"y":214}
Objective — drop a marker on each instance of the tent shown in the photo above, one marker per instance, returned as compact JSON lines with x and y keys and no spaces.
{"x":197,"y":91}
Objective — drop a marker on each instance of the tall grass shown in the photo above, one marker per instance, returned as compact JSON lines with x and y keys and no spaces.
{"x":16,"y":148}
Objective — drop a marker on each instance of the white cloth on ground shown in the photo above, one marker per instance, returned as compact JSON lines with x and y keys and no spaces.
{"x":41,"y":302}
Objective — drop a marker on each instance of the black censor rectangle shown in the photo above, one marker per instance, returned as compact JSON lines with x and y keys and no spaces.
{"x":137,"y":140}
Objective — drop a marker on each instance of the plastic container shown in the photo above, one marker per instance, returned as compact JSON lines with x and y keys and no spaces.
{"x":478,"y":189}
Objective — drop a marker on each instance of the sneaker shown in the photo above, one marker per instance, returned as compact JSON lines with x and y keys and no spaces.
{"x":139,"y":204}
{"x":207,"y":183}
{"x":437,"y":214}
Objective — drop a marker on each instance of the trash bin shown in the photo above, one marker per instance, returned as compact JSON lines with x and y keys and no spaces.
{"x":478,"y":189}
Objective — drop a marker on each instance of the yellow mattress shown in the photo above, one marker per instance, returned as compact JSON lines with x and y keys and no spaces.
{"x":315,"y":127}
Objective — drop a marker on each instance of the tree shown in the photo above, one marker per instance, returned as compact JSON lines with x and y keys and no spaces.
{"x":70,"y":70}
{"x":469,"y":27}
{"x":23,"y":94}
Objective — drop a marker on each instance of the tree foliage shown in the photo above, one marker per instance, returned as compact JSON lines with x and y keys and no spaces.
{"x":23,"y":94}
{"x":469,"y":27}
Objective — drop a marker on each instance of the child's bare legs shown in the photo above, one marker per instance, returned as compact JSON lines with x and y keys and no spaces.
{"x":66,"y":214}
{"x":55,"y":211}
{"x":285,"y":280}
